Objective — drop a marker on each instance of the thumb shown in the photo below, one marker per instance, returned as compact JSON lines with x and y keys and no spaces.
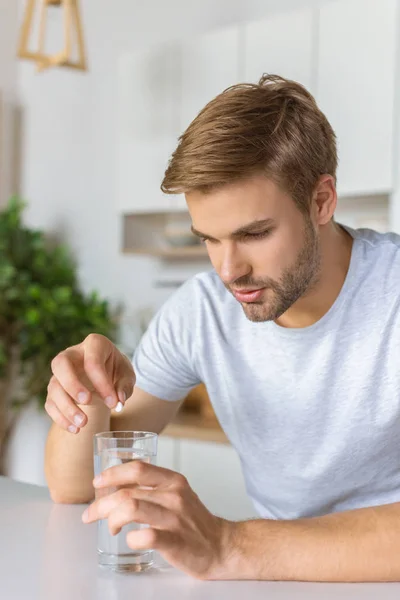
{"x":124,"y":378}
{"x":125,"y":388}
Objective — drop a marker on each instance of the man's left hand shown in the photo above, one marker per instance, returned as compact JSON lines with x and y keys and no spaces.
{"x":180,"y":528}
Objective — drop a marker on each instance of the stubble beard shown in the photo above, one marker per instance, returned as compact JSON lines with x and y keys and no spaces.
{"x":294,"y":283}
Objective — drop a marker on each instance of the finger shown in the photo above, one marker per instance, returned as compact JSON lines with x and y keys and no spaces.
{"x":139,"y":511}
{"x":101,"y":507}
{"x":97,"y":363}
{"x":140,"y":473}
{"x":65,"y":404}
{"x":64,"y":368}
{"x":59,"y":418}
{"x":165,"y":498}
{"x":126,"y":509}
{"x":150,"y":539}
{"x":125,"y":378}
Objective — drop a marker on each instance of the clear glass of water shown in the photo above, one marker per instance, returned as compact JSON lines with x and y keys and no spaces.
{"x":110,"y":449}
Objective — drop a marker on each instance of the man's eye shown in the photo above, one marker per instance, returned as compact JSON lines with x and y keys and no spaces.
{"x":258,"y":236}
{"x":244,"y":236}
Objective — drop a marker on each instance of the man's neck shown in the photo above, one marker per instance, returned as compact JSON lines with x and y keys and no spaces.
{"x":336,"y":247}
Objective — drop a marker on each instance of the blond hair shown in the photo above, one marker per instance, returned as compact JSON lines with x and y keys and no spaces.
{"x":274,"y":127}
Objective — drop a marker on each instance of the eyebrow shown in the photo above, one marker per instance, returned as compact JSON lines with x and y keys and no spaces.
{"x":252,"y":227}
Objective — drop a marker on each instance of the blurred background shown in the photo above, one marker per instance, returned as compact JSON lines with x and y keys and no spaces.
{"x":91,"y":106}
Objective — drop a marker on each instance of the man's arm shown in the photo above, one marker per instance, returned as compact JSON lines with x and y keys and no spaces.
{"x":69,"y":458}
{"x":360,"y":545}
{"x":91,"y":377}
{"x":352,"y":546}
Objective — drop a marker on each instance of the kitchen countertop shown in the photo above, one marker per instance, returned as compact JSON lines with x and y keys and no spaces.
{"x":192,"y":425}
{"x":47,"y":554}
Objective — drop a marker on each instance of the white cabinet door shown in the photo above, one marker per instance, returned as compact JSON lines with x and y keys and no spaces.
{"x":356,"y":72}
{"x":167,"y":452}
{"x":210,"y":63}
{"x":147,"y":126}
{"x":214,"y":472}
{"x":281,"y":45}
{"x":177,"y":203}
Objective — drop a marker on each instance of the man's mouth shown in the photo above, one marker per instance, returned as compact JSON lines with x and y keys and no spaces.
{"x":248,"y":295}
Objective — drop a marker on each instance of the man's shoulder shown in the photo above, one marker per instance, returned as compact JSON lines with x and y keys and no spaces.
{"x":208,"y":282}
{"x":205,"y":288}
{"x":378,"y":261}
{"x":380,"y":250}
{"x":378,"y":241}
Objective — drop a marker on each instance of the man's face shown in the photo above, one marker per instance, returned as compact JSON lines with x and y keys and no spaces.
{"x":264,"y":249}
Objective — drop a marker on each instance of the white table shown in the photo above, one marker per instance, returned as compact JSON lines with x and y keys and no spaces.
{"x":46,"y":553}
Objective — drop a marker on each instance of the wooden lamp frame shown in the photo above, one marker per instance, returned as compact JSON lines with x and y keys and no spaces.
{"x":63,"y":58}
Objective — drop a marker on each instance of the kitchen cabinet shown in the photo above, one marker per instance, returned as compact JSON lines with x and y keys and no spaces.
{"x":282,"y":44}
{"x":355,"y":89}
{"x":147,"y":127}
{"x":213,"y":470}
{"x":167,"y":453}
{"x":209,"y":64}
{"x":343,"y":51}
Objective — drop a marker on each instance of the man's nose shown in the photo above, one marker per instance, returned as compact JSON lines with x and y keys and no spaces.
{"x":232,"y":265}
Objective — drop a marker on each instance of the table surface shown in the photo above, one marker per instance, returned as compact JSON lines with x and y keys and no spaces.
{"x":46,"y":553}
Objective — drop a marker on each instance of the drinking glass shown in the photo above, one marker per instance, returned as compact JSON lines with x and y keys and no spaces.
{"x":110,"y":449}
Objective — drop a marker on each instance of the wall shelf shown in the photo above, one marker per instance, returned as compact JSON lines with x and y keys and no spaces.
{"x":184,"y":252}
{"x":145,"y":234}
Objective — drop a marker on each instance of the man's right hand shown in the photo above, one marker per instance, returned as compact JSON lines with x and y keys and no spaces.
{"x":90,"y":373}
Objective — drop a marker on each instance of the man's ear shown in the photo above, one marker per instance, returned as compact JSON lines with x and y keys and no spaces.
{"x":324,"y":199}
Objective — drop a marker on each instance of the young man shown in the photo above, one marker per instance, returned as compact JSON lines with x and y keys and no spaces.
{"x":296,"y":334}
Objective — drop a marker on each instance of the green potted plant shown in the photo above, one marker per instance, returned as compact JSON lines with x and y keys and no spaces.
{"x":42,"y":311}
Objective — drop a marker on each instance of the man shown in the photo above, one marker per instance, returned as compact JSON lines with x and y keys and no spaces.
{"x":296,"y":334}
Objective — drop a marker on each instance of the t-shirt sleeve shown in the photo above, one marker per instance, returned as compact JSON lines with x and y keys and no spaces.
{"x":164,"y":359}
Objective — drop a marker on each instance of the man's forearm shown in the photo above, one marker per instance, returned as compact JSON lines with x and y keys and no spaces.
{"x":352,"y":546}
{"x":69,"y":458}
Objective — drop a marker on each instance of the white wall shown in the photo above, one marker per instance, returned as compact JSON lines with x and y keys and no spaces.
{"x":8,"y":83}
{"x":68,"y":134}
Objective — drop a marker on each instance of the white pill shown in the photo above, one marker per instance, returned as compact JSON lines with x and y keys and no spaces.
{"x":119,"y":407}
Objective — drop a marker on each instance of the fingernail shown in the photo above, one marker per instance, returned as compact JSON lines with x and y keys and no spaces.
{"x":78,"y":420}
{"x":72,"y":429}
{"x":85,"y":516}
{"x":110,"y":401}
{"x":82,"y":397}
{"x":122,"y":396}
{"x":97,"y":480}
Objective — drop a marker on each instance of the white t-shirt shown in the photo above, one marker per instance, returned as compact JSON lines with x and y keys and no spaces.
{"x":314,"y":412}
